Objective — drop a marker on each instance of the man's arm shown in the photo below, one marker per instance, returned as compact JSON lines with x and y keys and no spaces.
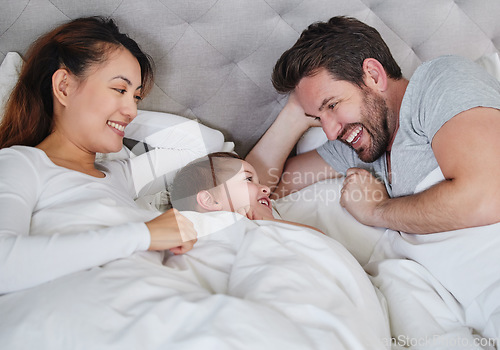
{"x":269,"y":156}
{"x":467,"y":149}
{"x":301,"y":171}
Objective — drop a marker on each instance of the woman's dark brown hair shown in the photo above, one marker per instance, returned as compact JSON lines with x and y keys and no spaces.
{"x":340,"y":46}
{"x":76,"y":46}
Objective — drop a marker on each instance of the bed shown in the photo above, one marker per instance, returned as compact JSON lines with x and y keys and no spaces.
{"x":259,"y":285}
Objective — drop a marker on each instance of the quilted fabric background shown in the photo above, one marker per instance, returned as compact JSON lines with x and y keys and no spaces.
{"x":214,"y":57}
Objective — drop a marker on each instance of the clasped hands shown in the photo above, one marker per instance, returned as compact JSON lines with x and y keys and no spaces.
{"x":364,"y":196}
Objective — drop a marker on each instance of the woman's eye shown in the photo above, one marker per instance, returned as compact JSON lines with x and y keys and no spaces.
{"x":332,"y":106}
{"x":138,"y":98}
{"x":121,"y":91}
{"x":250,"y":178}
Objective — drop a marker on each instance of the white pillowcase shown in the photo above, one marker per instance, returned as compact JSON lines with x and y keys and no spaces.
{"x":491,"y":63}
{"x":9,"y":72}
{"x":165,"y":130}
{"x":311,"y":139}
{"x":181,"y":141}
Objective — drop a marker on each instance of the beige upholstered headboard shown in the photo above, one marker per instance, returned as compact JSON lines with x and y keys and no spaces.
{"x":214,"y":57}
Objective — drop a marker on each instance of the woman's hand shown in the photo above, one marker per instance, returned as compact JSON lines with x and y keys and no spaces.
{"x":172,"y":231}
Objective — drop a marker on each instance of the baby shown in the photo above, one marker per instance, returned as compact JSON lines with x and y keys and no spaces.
{"x":222,"y":181}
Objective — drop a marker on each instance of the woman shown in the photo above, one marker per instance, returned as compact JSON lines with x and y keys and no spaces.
{"x":60,"y":212}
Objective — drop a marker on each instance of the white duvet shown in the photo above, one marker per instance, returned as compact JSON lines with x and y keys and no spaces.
{"x":246,"y":285}
{"x":442,"y":290}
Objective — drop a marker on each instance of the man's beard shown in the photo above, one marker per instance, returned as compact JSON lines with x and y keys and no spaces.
{"x":375,"y":121}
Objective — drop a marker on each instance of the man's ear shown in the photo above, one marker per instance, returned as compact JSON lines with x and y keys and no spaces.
{"x":375,"y":76}
{"x":207,"y":201}
{"x":61,"y":81}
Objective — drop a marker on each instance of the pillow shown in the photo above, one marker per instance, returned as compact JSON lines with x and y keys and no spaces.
{"x":311,"y":139}
{"x":491,"y":63}
{"x":318,"y":206}
{"x":179,"y":139}
{"x":164,"y":130}
{"x":9,"y":72}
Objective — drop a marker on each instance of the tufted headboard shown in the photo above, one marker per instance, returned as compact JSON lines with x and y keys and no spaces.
{"x":214,"y":57}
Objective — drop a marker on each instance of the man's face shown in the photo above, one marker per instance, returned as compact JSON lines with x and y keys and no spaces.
{"x":100,"y":107}
{"x":358,"y":117}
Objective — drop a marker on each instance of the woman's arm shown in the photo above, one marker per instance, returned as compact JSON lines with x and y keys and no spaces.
{"x":27,"y":261}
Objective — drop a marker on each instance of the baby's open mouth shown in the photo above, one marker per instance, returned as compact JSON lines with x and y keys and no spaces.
{"x":265,"y":201}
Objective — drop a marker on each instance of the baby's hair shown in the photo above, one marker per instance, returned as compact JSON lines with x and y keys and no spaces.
{"x":202,"y":174}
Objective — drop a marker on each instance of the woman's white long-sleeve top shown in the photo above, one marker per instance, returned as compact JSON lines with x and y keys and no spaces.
{"x":55,"y":221}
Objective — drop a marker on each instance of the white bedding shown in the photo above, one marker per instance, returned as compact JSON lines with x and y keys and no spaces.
{"x":443,"y":289}
{"x":250,"y":285}
{"x":273,"y":286}
{"x":279,"y":288}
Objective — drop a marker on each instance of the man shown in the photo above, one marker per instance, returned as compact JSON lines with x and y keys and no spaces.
{"x":386,"y":134}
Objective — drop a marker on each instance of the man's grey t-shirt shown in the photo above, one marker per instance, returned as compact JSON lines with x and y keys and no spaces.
{"x":437,"y":91}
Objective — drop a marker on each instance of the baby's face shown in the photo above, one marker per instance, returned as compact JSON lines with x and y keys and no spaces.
{"x":243,"y":190}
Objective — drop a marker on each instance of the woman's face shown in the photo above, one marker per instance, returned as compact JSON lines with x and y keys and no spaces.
{"x":101,"y":106}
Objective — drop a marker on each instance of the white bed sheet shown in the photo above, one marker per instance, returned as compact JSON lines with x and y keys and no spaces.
{"x":248,"y":285}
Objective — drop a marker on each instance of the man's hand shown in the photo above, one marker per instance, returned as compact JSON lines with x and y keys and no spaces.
{"x":362,"y":194}
{"x":173,"y":231}
{"x":296,"y":114}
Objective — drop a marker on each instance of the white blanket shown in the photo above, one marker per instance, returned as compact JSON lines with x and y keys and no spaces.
{"x":248,"y":285}
{"x":443,"y":289}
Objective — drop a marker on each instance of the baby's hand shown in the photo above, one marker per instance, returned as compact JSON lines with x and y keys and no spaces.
{"x":258,"y":212}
